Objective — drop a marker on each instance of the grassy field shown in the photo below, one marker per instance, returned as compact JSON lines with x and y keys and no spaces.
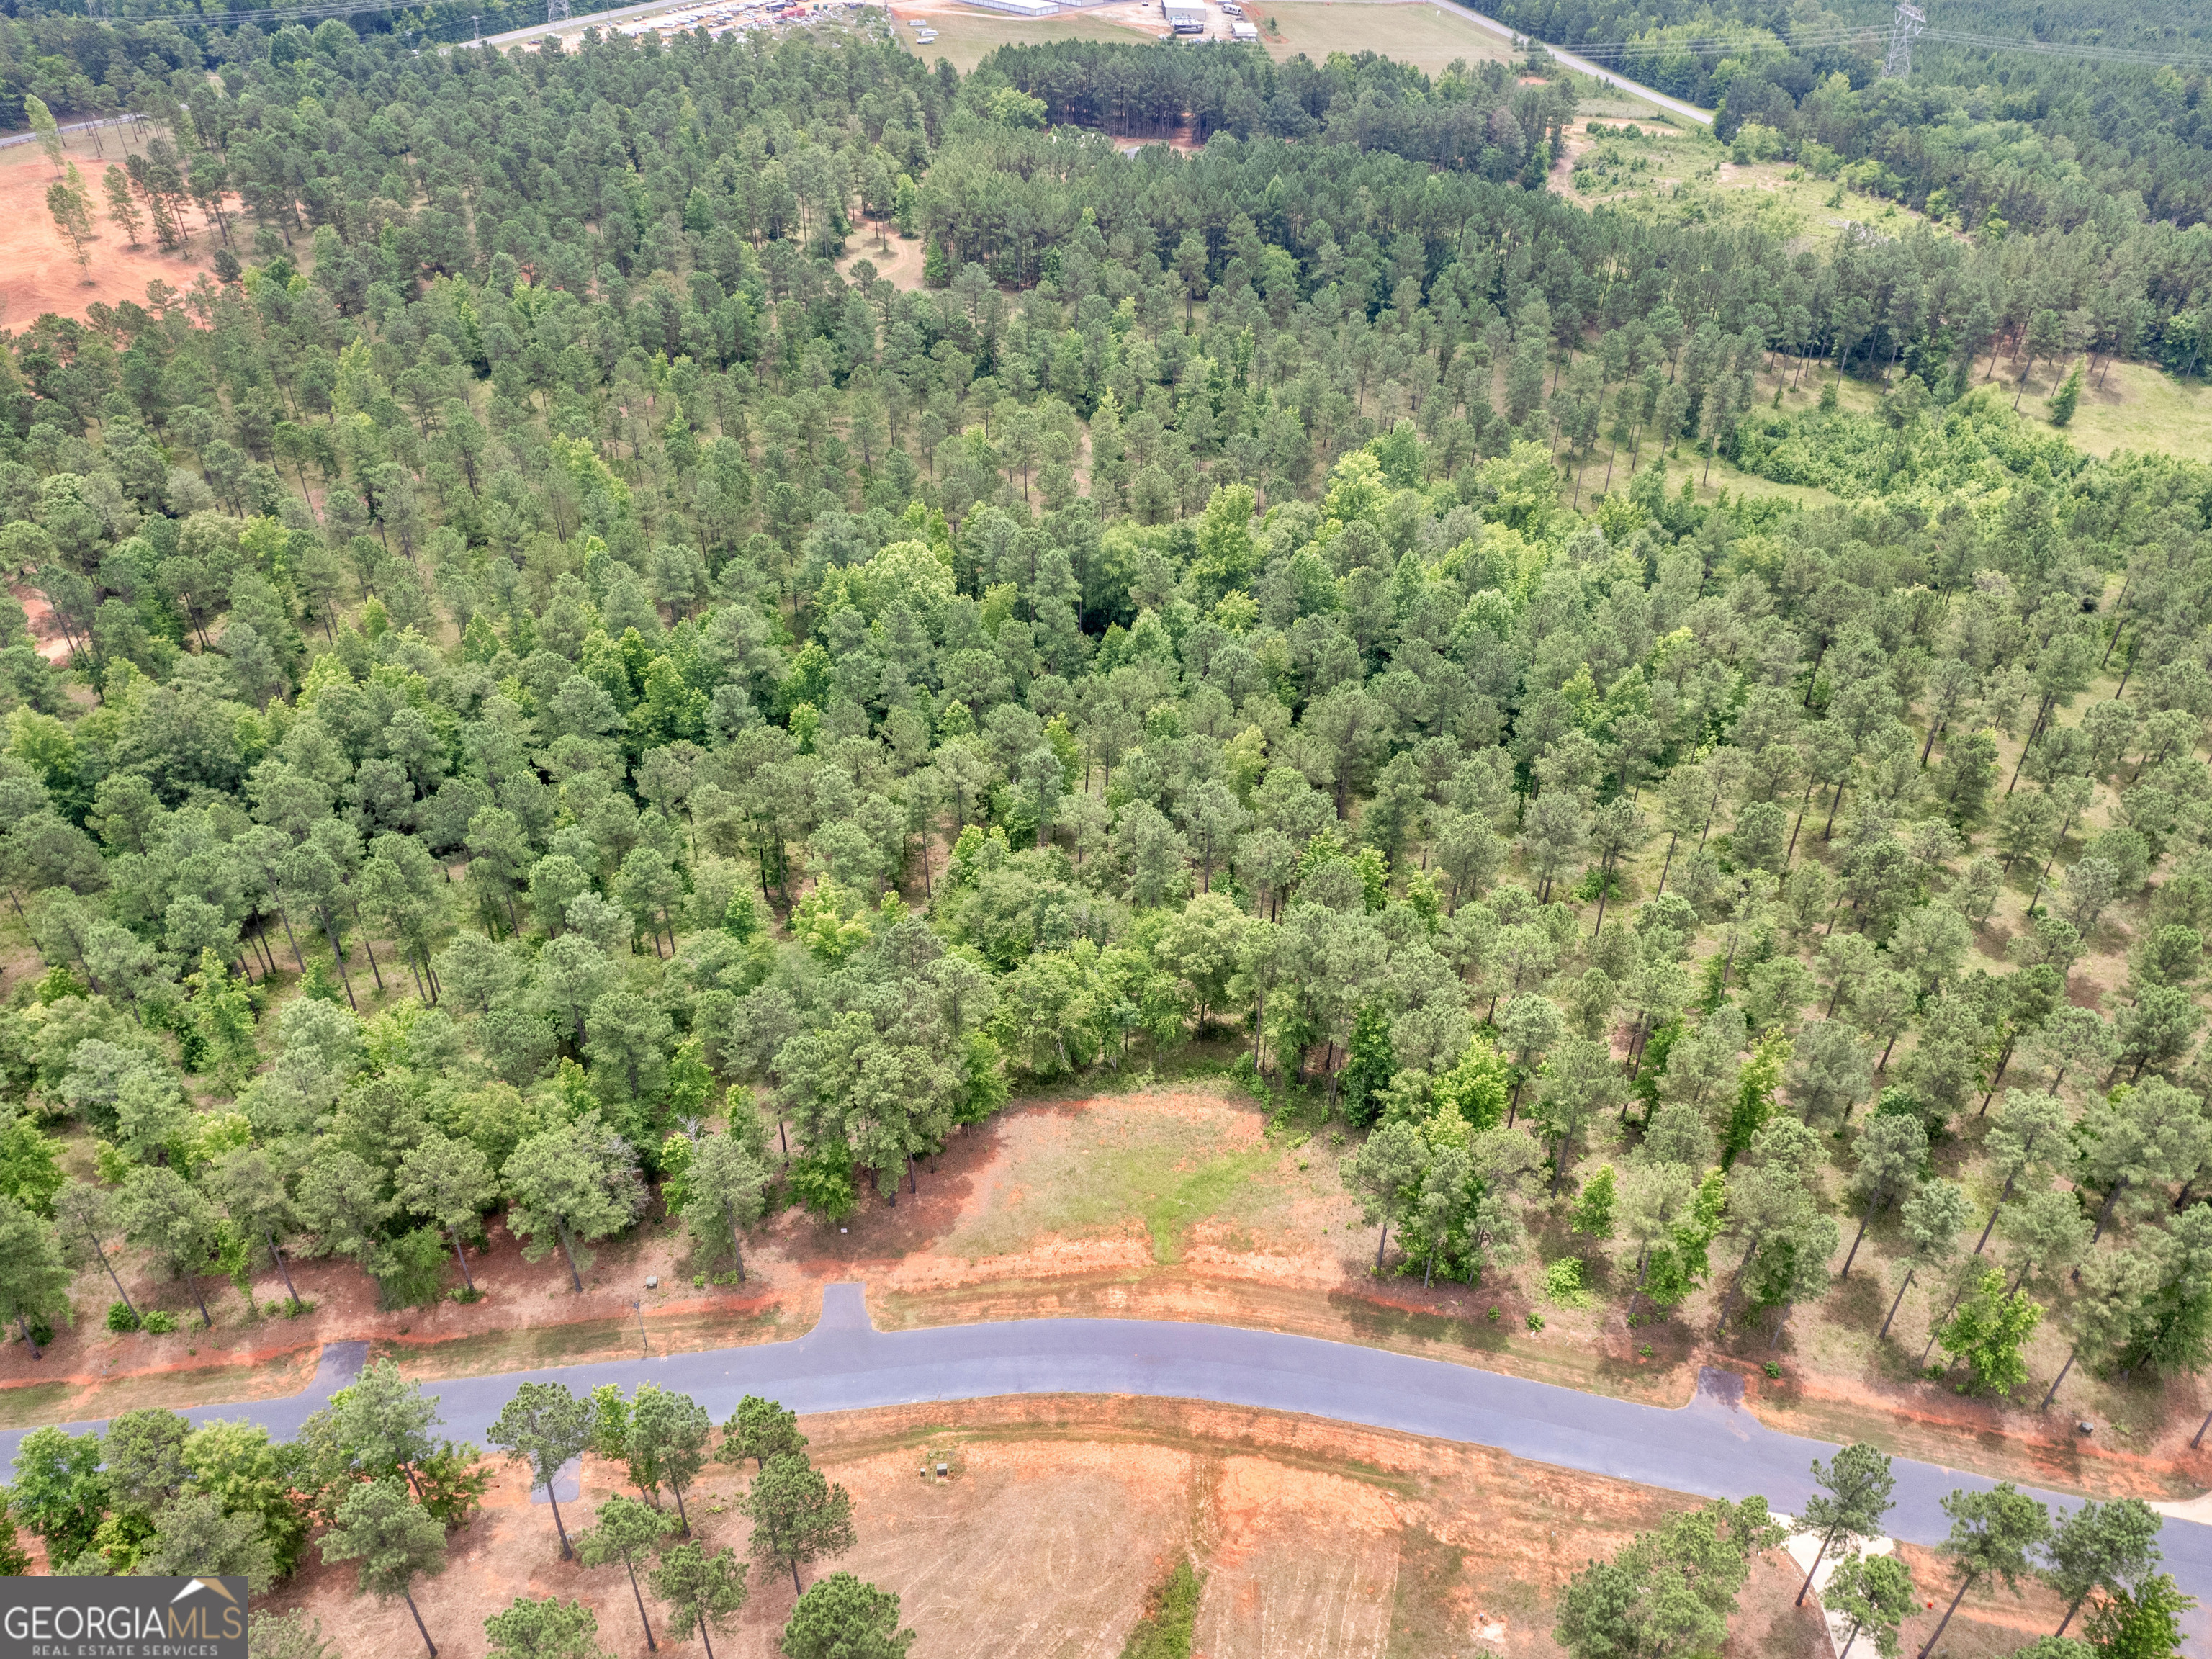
{"x":2138,"y":406}
{"x":966,"y":38}
{"x":1076,"y":1174}
{"x":1425,"y":36}
{"x":1684,"y":175}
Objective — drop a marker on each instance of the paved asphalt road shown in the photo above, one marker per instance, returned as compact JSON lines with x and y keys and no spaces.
{"x":1712,"y":1446}
{"x":1583,"y":65}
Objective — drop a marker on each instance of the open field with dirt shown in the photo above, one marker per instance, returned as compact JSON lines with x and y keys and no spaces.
{"x":1061,"y":1513}
{"x":38,"y":272}
{"x":1423,"y":35}
{"x":967,"y":35}
{"x":1426,"y":36}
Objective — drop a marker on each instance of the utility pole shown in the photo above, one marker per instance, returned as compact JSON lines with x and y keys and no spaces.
{"x":1908,"y":21}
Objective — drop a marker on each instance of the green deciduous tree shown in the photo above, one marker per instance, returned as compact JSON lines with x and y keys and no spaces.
{"x":58,"y":1490}
{"x":1988,"y":1331}
{"x":2141,"y":1623}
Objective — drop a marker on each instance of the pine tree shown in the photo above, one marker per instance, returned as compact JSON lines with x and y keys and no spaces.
{"x":122,"y":205}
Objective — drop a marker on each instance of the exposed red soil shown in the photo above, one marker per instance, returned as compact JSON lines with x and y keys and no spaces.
{"x":39,"y":616}
{"x":38,"y":273}
{"x":1060,"y":1513}
{"x":1307,"y":1270}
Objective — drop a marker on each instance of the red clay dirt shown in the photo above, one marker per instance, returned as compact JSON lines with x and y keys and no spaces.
{"x":1059,"y":1514}
{"x":38,"y":273}
{"x":1291,"y":1258}
{"x":47,"y":635}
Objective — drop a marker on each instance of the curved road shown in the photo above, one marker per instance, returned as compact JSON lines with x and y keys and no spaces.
{"x":1712,"y":1446}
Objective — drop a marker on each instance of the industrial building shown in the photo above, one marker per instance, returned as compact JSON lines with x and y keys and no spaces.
{"x":1184,"y":16}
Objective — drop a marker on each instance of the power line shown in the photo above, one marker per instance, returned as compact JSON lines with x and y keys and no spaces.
{"x":2147,"y":57}
{"x":1611,"y":52}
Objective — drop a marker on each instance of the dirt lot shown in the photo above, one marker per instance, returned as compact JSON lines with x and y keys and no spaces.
{"x":1059,"y":1514}
{"x":898,"y":262}
{"x":38,"y":272}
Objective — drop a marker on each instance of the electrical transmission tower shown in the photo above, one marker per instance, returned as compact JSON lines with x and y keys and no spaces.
{"x":1910,"y":21}
{"x":556,"y":11}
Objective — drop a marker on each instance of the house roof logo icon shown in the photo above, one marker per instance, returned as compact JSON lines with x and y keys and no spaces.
{"x":193,"y":1586}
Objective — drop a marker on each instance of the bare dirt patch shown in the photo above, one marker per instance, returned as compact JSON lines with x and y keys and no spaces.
{"x":898,"y":261}
{"x":44,"y":627}
{"x":38,"y":272}
{"x":1060,"y":1513}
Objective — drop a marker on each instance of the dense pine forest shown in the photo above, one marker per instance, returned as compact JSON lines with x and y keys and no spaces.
{"x":583,"y":695}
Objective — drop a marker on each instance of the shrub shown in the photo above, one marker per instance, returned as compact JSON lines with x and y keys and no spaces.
{"x":410,"y":1271}
{"x":1168,"y":1624}
{"x":120,"y":1318}
{"x":1562,"y":1283}
{"x":1536,"y":1322}
{"x":160,"y":1323}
